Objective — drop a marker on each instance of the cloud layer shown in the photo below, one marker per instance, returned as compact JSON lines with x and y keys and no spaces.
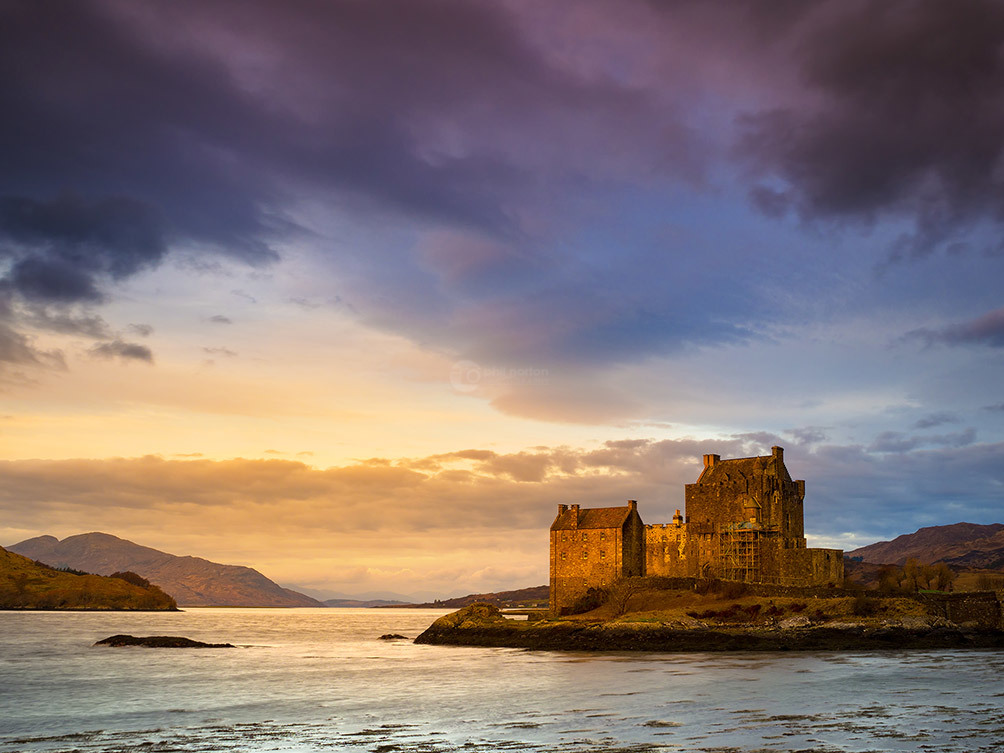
{"x":708,"y":219}
{"x":523,"y":157}
{"x":904,"y":122}
{"x":456,"y":517}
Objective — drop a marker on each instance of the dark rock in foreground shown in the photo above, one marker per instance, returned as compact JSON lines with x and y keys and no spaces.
{"x":393,"y":637}
{"x":159,"y":641}
{"x":484,"y":625}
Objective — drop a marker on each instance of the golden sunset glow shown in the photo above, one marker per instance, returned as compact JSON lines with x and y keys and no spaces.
{"x":274,"y":295}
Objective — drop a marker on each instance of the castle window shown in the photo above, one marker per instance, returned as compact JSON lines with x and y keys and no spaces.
{"x":585,"y":554}
{"x":603,"y":555}
{"x":603,"y":535}
{"x":585,"y":535}
{"x":564,"y":536}
{"x":564,"y":555}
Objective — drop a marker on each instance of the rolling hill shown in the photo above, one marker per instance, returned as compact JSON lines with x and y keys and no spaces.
{"x":25,"y":584}
{"x":960,"y":545}
{"x":192,"y":581}
{"x":534,"y":596}
{"x":364,"y":603}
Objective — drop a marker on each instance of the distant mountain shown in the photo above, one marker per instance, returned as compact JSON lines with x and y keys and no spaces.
{"x":359,"y":604}
{"x":25,"y":584}
{"x":523,"y":597}
{"x":992,"y":559}
{"x":959,"y":545}
{"x":326,"y":595}
{"x":192,"y":581}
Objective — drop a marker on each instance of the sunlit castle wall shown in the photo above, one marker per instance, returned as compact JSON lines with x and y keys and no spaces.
{"x":593,"y":548}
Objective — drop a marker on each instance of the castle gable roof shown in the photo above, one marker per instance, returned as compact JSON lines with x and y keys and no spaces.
{"x":595,"y":517}
{"x":732,"y":468}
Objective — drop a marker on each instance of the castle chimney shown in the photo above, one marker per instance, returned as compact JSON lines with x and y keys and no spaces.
{"x":710,"y":460}
{"x":562,"y":509}
{"x":678,"y":519}
{"x":632,"y":504}
{"x":575,"y":515}
{"x":777,"y":452}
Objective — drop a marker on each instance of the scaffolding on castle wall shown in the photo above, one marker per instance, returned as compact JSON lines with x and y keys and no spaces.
{"x":741,"y":552}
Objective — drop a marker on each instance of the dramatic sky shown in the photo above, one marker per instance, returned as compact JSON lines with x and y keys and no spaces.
{"x":355,"y":292}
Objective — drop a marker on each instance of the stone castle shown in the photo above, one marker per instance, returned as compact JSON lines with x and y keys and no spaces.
{"x":743,"y":523}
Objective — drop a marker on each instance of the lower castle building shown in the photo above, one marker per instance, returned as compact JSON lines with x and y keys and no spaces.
{"x":743,"y":523}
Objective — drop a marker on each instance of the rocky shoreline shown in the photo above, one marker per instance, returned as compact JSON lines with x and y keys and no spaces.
{"x":484,"y":625}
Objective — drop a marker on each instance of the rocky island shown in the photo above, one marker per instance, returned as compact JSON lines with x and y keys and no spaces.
{"x":714,"y":622}
{"x":733,"y":574}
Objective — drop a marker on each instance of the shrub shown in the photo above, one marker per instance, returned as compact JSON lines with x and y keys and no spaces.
{"x":620,"y":593}
{"x":915,"y":576}
{"x":707,"y":585}
{"x":60,"y":568}
{"x":590,"y":600}
{"x":71,"y":571}
{"x":864,"y":606}
{"x":988,"y":582}
{"x":734,"y":589}
{"x":130,"y":577}
{"x":732,"y":613}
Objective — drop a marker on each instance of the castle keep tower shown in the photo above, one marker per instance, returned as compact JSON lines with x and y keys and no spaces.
{"x":740,"y":513}
{"x":744,"y":522}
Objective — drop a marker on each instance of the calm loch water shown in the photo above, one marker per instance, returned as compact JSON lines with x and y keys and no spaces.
{"x":320,"y":680}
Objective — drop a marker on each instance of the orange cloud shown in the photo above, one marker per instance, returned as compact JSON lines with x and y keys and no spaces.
{"x":472,"y":519}
{"x":462,"y":521}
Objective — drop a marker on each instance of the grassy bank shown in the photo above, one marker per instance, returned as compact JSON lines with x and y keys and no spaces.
{"x":26,"y":584}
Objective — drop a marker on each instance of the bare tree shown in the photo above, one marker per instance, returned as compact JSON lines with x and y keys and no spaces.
{"x":621,"y":593}
{"x":989,"y":582}
{"x":943,"y":576}
{"x":913,"y":574}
